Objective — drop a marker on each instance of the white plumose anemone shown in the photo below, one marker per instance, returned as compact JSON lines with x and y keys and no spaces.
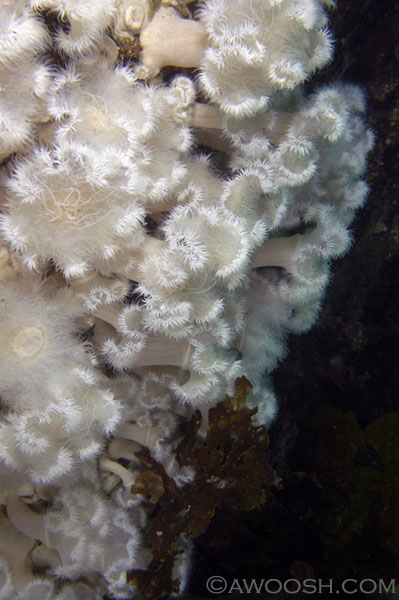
{"x":37,"y":337}
{"x":54,"y":212}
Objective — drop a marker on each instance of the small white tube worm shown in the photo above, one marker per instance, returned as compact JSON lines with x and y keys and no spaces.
{"x":164,"y":351}
{"x":155,"y":209}
{"x":207,"y":120}
{"x":33,"y":525}
{"x":13,"y":482}
{"x":278,"y":125}
{"x":149,"y":437}
{"x":109,"y":314}
{"x":77,"y":29}
{"x":278,"y":252}
{"x":25,"y":520}
{"x":46,"y":133}
{"x":213,"y":139}
{"x":46,"y":492}
{"x":25,"y":490}
{"x":158,"y":350}
{"x":122,"y":448}
{"x":109,"y":50}
{"x":43,"y":557}
{"x":169,"y":40}
{"x":127,"y":478}
{"x":15,"y":547}
{"x":103,"y":332}
{"x":329,"y":239}
{"x":208,"y":116}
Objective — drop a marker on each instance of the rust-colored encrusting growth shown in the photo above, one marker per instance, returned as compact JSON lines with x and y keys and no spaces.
{"x":150,"y":485}
{"x":232,"y":470}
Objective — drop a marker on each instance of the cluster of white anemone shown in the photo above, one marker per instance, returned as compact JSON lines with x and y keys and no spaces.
{"x":138,"y":278}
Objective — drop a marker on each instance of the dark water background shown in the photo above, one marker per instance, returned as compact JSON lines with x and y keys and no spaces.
{"x":335,"y":444}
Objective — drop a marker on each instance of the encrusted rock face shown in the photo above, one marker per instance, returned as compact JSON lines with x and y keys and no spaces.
{"x":168,"y":217}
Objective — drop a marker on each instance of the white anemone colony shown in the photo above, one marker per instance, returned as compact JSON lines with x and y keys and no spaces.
{"x":137,"y":279}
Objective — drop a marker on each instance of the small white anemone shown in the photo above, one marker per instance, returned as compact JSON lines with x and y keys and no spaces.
{"x":255,"y":49}
{"x":87,"y":22}
{"x":130,"y":135}
{"x":24,"y":92}
{"x":54,"y":212}
{"x":36,"y":338}
{"x":22,"y":33}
